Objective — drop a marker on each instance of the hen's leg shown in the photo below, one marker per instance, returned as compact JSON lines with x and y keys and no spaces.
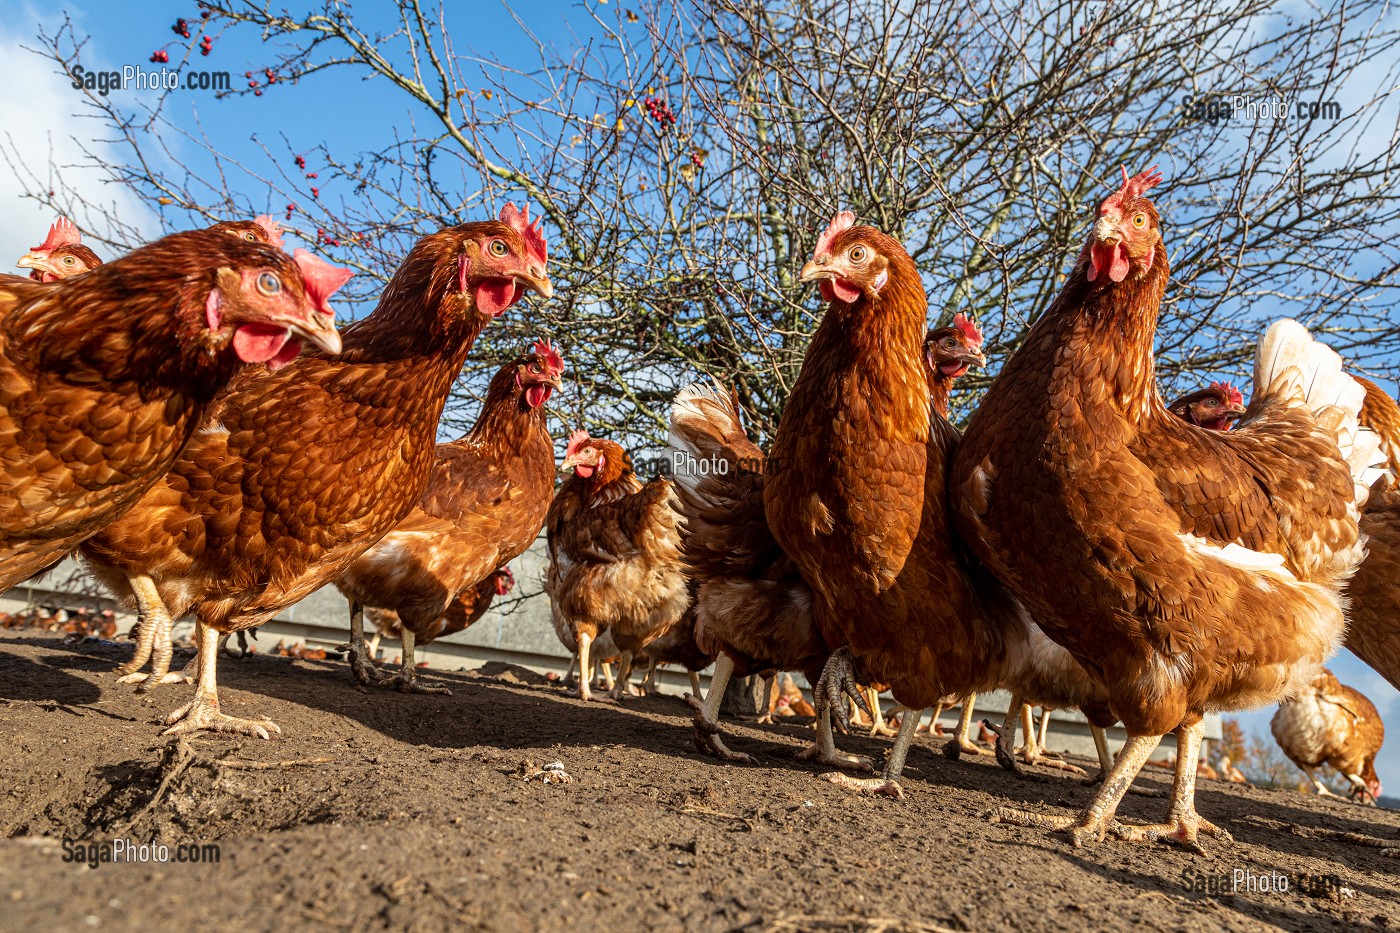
{"x":1095,"y":822}
{"x":706,"y":719}
{"x":1044,"y":726}
{"x":406,"y":680}
{"x":1106,"y":765}
{"x":372,"y":650}
{"x":962,"y":742}
{"x":624,"y":675}
{"x":838,"y":680}
{"x":153,"y":639}
{"x":609,"y":681}
{"x":770,"y":697}
{"x":695,"y":683}
{"x":361,"y":660}
{"x":878,"y":726}
{"x":1322,"y":789}
{"x":1183,"y":823}
{"x":585,"y":669}
{"x":649,"y":681}
{"x":203,"y":711}
{"x":888,"y":782}
{"x":1033,"y":754}
{"x":824,"y":750}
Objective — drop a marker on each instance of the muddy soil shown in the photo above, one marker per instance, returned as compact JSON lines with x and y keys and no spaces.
{"x":378,"y":810}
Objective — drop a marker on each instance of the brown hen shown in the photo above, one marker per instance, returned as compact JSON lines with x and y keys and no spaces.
{"x":1190,"y":570}
{"x":484,"y":505}
{"x":62,"y":255}
{"x":299,"y":471}
{"x":1329,"y":723}
{"x":105,"y":377}
{"x":614,"y":558}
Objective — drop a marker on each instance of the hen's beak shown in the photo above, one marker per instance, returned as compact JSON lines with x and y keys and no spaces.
{"x":32,"y":261}
{"x":814,"y":271}
{"x":1106,"y":231}
{"x":1234,"y":412}
{"x":555,"y":382}
{"x":568,"y":464}
{"x":975,"y":357}
{"x":537,"y":279}
{"x":320,"y":331}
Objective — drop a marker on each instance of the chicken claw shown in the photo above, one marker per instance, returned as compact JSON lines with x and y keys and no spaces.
{"x":876,"y":786}
{"x":839,"y":677}
{"x":203,"y":714}
{"x":707,"y":736}
{"x":1181,"y":831}
{"x":706,"y":720}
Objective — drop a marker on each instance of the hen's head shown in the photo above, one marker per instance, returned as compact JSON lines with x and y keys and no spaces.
{"x":60,"y":256}
{"x":596,"y":458}
{"x":852,"y":261}
{"x":264,"y":303}
{"x":262,"y":229}
{"x":497,"y":259}
{"x":951,"y":351}
{"x":1126,"y":232}
{"x":505,"y":581}
{"x":1216,"y":407}
{"x":538,"y":373}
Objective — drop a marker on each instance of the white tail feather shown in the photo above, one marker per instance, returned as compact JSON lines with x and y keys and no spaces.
{"x":1291,"y":365}
{"x":699,"y":413}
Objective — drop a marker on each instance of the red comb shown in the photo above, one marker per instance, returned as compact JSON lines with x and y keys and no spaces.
{"x":970,"y":331}
{"x":1132,"y":187}
{"x":552,"y":358}
{"x":1232,"y":395}
{"x":576,"y":442}
{"x":272,"y":228}
{"x":321,"y":278}
{"x":62,"y":233}
{"x":532,"y":234}
{"x":839,"y":224}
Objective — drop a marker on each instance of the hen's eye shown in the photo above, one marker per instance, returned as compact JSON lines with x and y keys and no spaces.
{"x":269,"y":284}
{"x":499,"y":248}
{"x":534,"y":367}
{"x":1212,"y":403}
{"x":858,"y":254}
{"x":950,"y":343}
{"x":69,"y":261}
{"x":1139,"y":220}
{"x":250,"y":238}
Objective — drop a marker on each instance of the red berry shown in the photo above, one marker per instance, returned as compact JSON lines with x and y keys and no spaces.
{"x":310,"y":174}
{"x":258,"y":93}
{"x":315,"y":192}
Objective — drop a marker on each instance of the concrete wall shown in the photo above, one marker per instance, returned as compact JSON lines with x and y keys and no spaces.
{"x":515,"y":629}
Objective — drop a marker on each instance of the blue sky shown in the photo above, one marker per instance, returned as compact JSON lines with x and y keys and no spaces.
{"x":37,"y":107}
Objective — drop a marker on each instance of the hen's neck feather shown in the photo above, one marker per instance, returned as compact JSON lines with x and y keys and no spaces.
{"x":139,"y":322}
{"x":1110,"y":330}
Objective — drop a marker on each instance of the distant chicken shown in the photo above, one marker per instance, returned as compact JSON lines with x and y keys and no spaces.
{"x":1191,"y":570}
{"x":466,"y":608}
{"x":754,"y":609}
{"x":614,"y":554}
{"x":485,"y":504}
{"x":1329,"y":723}
{"x":1216,"y":407}
{"x":105,"y":377}
{"x":299,"y":472}
{"x":61,"y":255}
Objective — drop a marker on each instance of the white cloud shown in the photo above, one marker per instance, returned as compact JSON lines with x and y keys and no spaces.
{"x":45,"y":136}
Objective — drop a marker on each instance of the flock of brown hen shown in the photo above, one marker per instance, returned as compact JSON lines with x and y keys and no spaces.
{"x":188,"y":420}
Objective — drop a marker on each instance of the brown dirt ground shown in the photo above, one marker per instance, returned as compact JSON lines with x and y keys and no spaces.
{"x":376,"y":810}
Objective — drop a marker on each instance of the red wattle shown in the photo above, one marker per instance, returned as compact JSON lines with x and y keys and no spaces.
{"x":493,"y":296}
{"x":259,"y":343}
{"x":537,"y":395}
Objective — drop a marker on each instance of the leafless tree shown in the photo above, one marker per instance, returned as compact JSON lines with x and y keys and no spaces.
{"x":685,"y":156}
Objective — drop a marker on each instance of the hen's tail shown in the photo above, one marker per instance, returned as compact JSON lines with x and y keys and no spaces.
{"x":1292,"y":367}
{"x":718,"y":475}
